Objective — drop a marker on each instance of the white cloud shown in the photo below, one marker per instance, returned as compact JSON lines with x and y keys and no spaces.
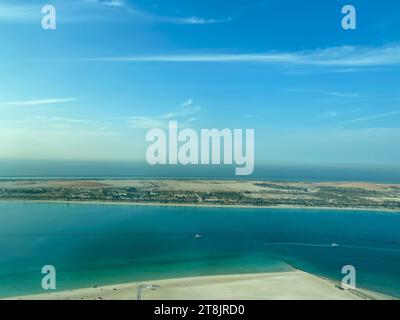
{"x":64,"y":120}
{"x":108,"y":3}
{"x":372,"y":117}
{"x":184,"y":114}
{"x":329,"y":93}
{"x":181,"y":20}
{"x":111,"y":3}
{"x":19,"y":13}
{"x":341,"y":94}
{"x":345,"y":56}
{"x":187,"y":103}
{"x":35,"y":102}
{"x":197,"y":20}
{"x":93,"y":10}
{"x":55,"y":124}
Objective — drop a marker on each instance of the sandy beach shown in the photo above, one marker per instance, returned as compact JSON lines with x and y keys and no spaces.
{"x":190,"y":205}
{"x":292,"y":285}
{"x":208,"y":193}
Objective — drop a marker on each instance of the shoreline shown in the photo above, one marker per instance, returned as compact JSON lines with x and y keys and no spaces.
{"x":196,"y":205}
{"x":291,"y":285}
{"x":353,"y":196}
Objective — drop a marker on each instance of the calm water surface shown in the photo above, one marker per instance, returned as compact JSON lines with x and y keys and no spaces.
{"x":104,"y":244}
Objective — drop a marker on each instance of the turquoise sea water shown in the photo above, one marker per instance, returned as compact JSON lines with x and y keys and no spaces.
{"x":104,"y":244}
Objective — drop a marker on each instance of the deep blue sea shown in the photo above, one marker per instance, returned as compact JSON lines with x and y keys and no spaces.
{"x":104,"y":244}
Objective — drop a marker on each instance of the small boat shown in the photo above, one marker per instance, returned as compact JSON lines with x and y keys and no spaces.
{"x":198,"y":236}
{"x":334,"y":245}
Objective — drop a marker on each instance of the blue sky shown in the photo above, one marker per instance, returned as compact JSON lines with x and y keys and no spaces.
{"x":89,"y":90}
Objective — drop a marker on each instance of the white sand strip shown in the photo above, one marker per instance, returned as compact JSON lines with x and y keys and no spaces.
{"x":293,"y":285}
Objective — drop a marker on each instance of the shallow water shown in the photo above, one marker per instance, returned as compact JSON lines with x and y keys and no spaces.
{"x":104,"y":244}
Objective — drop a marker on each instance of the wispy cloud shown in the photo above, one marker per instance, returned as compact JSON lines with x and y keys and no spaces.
{"x":368,"y":118}
{"x":329,"y":93}
{"x":19,"y":13}
{"x":198,"y":20}
{"x":341,"y":94}
{"x":92,"y":10}
{"x":184,"y":113}
{"x":134,"y":10}
{"x":345,"y":56}
{"x":52,"y":124}
{"x":63,"y":120}
{"x":187,"y":103}
{"x":108,"y":3}
{"x":35,"y":102}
